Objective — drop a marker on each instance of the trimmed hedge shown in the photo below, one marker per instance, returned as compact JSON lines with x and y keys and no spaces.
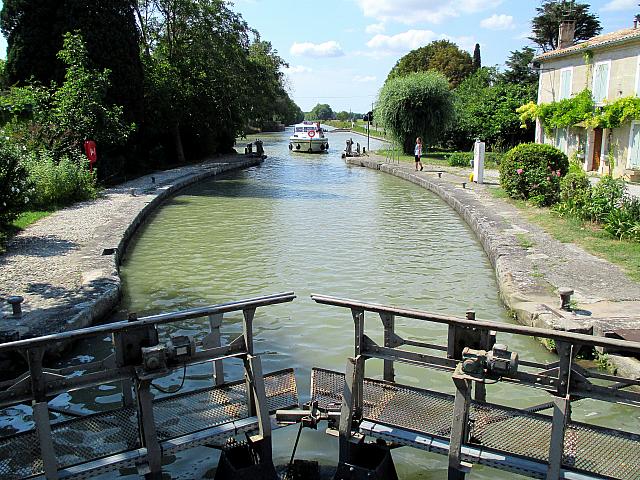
{"x":532,"y":171}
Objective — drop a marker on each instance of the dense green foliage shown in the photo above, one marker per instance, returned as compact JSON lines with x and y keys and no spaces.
{"x":321,"y":111}
{"x":519,"y":68}
{"x":581,"y":110}
{"x":15,"y":186}
{"x":35,"y":29}
{"x":532,"y":172}
{"x":485,"y":109}
{"x":442,"y":56}
{"x":416,"y":105}
{"x":464,"y":159}
{"x":60,"y":119}
{"x":58,"y":183}
{"x":606,"y":203}
{"x":546,"y":23}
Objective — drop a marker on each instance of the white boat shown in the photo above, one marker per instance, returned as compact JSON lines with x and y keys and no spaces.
{"x":308,"y":137}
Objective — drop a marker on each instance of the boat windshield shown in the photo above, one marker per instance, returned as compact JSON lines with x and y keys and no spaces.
{"x":299,"y":129}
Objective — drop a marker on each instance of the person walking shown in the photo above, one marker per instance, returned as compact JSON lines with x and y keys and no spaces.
{"x":418,"y":153}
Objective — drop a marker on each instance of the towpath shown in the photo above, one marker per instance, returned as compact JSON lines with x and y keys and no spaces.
{"x":65,"y":266}
{"x":530,"y":264}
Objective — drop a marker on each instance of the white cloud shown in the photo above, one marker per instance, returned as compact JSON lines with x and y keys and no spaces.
{"x":402,"y":42}
{"x":498,"y":22}
{"x":363,"y":78}
{"x":412,"y":39}
{"x":416,"y":11}
{"x":326,"y":49}
{"x":297,"y":69}
{"x":615,"y":5}
{"x":374,"y":28}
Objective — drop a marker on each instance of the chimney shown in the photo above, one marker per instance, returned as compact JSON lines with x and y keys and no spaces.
{"x":566,"y":34}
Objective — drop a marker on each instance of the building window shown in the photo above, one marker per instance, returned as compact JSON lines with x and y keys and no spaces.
{"x":566,"y":76}
{"x":634,"y":146}
{"x":601,"y":81}
{"x":561,"y":139}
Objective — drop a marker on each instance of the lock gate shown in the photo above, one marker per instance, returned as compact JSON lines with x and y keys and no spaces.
{"x":540,"y":441}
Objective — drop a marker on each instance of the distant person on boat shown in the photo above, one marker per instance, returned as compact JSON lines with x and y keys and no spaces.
{"x":418,"y":153}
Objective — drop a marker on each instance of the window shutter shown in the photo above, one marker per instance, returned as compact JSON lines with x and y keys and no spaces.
{"x":634,"y":159}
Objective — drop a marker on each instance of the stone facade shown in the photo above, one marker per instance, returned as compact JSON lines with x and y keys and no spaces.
{"x":609,"y":66}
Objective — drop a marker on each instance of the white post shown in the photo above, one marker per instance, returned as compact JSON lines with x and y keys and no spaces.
{"x":478,"y":162}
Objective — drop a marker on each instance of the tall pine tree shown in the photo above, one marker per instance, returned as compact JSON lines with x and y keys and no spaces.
{"x":477,"y":62}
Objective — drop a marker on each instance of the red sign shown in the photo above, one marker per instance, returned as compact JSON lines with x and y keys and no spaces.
{"x":311,"y":133}
{"x":91,"y":152}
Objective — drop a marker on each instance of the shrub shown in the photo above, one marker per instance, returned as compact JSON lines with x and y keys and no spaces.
{"x":464,"y":159}
{"x":606,"y":196}
{"x":532,"y":172}
{"x":59,"y":184}
{"x":575,"y":192}
{"x":14,"y":185}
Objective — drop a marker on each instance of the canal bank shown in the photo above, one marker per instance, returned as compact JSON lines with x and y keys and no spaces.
{"x":530,"y":265}
{"x":66,"y":265}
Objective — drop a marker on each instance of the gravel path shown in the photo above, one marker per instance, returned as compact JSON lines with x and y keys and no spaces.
{"x":62,"y":264}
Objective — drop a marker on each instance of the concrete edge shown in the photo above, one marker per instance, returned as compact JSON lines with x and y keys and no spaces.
{"x":527,"y":311}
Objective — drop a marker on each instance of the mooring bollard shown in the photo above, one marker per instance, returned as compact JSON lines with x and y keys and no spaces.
{"x":439,"y":174}
{"x":153,"y":180}
{"x":16,"y":304}
{"x":464,"y":184}
{"x":565,"y":298}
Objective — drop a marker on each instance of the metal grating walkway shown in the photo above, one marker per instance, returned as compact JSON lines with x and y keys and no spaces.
{"x":588,"y":449}
{"x":96,"y":436}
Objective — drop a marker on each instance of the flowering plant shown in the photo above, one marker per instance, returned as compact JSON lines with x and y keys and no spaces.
{"x":532,"y":172}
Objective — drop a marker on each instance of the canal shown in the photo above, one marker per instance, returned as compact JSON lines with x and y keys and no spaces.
{"x":311,"y":224}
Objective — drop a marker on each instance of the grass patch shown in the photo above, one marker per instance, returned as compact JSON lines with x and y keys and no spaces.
{"x":435,"y":158}
{"x":524,"y":240}
{"x":587,"y":235}
{"x":27,"y":218}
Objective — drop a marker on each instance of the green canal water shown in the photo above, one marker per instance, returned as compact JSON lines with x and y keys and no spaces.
{"x":312,"y":224}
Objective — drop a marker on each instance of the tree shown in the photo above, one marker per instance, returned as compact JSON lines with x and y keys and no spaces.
{"x":343,"y":116}
{"x":486,"y":109}
{"x":519,"y":68}
{"x":416,"y":105}
{"x":545,"y":25}
{"x":35,"y":29}
{"x":442,"y":55}
{"x":321,"y":111}
{"x":199,"y":88}
{"x":477,"y":62}
{"x":60,"y":119}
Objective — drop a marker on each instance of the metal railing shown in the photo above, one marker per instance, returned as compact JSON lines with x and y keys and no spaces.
{"x":565,"y":380}
{"x":138,"y":358}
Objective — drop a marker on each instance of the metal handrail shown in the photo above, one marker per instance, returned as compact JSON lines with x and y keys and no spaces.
{"x":159,"y":319}
{"x":557,"y":335}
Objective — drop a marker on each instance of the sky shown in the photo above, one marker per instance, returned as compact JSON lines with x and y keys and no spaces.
{"x":340,"y":51}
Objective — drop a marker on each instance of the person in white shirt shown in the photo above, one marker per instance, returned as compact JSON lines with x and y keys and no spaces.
{"x":418,"y":153}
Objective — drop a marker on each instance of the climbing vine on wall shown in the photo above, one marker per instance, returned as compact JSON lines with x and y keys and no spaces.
{"x":580,"y":110}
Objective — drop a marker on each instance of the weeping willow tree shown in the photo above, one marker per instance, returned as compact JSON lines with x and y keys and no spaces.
{"x":416,"y":105}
